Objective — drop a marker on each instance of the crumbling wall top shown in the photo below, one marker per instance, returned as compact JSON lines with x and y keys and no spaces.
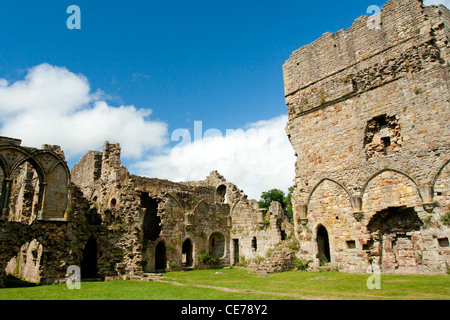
{"x":401,"y":21}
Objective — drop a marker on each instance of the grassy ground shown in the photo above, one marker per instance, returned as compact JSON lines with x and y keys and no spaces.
{"x":207,"y":285}
{"x":125,"y":290}
{"x":337,"y":285}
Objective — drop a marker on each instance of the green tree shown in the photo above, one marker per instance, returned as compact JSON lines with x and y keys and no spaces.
{"x":288,"y":203}
{"x":268,"y":197}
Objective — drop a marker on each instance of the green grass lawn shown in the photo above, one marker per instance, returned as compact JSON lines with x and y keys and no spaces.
{"x":338,"y":285}
{"x":247,"y":286}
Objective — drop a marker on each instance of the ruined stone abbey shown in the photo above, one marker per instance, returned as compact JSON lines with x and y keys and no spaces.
{"x":369,"y":122}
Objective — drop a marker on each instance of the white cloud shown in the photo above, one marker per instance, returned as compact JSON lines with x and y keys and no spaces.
{"x":45,"y":89}
{"x":52,"y":105}
{"x":437,"y":2}
{"x":256,"y":159}
{"x":55,"y":106}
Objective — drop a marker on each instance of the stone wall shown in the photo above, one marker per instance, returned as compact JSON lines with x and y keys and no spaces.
{"x":254,"y":232}
{"x":113,"y":223}
{"x":41,"y":251}
{"x":369,"y":119}
{"x":168,"y":225}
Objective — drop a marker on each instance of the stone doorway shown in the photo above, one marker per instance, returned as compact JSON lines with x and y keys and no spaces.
{"x":160,"y":257}
{"x":323,"y":245}
{"x":186,"y":252}
{"x":89,"y":261}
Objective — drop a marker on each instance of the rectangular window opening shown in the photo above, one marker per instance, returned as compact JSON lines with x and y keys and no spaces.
{"x":351,"y":244}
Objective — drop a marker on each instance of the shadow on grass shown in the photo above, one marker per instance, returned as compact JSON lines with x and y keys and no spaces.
{"x":12,"y":282}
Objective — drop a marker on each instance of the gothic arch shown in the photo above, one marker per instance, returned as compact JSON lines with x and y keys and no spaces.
{"x":198,"y":207}
{"x":234,"y":206}
{"x":36,"y":165}
{"x":440,"y":189}
{"x":50,"y":161}
{"x":175,"y":200}
{"x":395,"y":189}
{"x":440,"y":171}
{"x":366,"y":183}
{"x":54,"y":185}
{"x":11,"y":154}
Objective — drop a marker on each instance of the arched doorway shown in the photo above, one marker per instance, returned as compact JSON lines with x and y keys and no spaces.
{"x":186,"y":251}
{"x":160,"y":256}
{"x":89,"y":261}
{"x":323,"y":245}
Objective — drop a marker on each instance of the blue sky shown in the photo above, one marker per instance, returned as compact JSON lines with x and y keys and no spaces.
{"x":210,"y":60}
{"x":149,"y":68}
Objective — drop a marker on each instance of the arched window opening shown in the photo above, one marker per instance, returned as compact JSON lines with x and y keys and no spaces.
{"x":24,"y":199}
{"x":221,"y":193}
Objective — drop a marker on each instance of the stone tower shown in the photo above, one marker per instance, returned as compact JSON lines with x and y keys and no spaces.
{"x":369,"y":120}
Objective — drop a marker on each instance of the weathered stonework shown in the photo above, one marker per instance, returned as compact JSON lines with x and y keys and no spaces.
{"x":115,"y":225}
{"x":167,"y":225}
{"x":369,"y":115}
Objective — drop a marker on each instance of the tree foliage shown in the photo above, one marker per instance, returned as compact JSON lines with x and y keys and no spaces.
{"x":267,"y":197}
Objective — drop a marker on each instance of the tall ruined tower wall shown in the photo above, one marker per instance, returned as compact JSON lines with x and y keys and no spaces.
{"x":369,"y":115}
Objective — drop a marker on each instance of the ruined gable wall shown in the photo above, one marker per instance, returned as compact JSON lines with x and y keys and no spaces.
{"x":86,"y":171}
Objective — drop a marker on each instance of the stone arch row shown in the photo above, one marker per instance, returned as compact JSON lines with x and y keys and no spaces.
{"x":425,"y":192}
{"x":53,"y":176}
